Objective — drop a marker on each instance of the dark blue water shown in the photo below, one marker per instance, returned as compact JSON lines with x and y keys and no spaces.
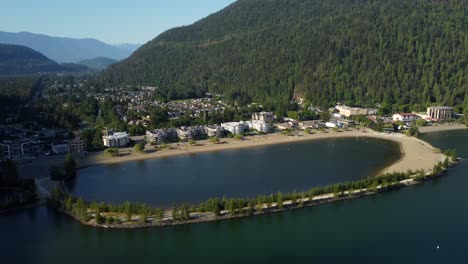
{"x":237,"y":173}
{"x":404,"y":226}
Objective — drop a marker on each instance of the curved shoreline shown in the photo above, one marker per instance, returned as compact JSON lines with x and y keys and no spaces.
{"x":266,"y":208}
{"x":40,"y":166}
{"x":416,"y":154}
{"x":443,"y":127}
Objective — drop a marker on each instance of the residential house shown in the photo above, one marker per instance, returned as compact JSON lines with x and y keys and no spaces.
{"x":405,"y":117}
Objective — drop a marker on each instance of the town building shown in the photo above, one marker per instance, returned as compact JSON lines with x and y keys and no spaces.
{"x":214,"y":131}
{"x":440,"y":112}
{"x":345,"y":123}
{"x":405,"y":117}
{"x":267,"y":117}
{"x":259,"y":125}
{"x":314,"y":124}
{"x":160,"y":136}
{"x":348,"y":111}
{"x":234,"y":127}
{"x":372,"y":111}
{"x":16,"y":149}
{"x":287,"y":125}
{"x":351,"y":111}
{"x":117,"y":140}
{"x":78,"y":145}
{"x":187,"y":133}
{"x":62,"y":148}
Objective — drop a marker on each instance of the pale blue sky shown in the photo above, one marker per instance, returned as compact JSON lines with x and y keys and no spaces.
{"x":112,"y":21}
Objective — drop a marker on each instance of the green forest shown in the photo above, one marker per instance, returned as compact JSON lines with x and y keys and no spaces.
{"x":17,"y":89}
{"x":405,"y":53}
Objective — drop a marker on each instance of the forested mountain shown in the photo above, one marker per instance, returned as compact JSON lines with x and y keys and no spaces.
{"x":15,"y":59}
{"x":99,"y":63}
{"x":409,"y":53}
{"x":67,"y":50}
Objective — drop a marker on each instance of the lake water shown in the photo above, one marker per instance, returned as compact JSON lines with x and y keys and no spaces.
{"x":404,"y":226}
{"x":236,"y":173}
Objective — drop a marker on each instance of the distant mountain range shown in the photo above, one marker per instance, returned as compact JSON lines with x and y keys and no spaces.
{"x":68,"y":50}
{"x":16,"y":59}
{"x":128,"y":46}
{"x":99,"y":63}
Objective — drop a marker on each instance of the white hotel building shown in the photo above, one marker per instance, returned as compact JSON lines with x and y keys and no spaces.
{"x":234,"y":127}
{"x":259,"y":125}
{"x":240,"y":127}
{"x":117,"y":140}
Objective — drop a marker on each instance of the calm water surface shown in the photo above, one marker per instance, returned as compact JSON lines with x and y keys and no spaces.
{"x":236,"y":173}
{"x":399,"y":227}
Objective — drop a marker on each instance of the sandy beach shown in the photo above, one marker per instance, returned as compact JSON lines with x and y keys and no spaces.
{"x":416,"y":154}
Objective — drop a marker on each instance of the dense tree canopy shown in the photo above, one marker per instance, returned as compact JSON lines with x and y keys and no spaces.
{"x":409,"y":53}
{"x":17,"y":89}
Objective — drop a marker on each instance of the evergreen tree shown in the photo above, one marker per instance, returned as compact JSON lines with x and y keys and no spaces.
{"x":69,"y":166}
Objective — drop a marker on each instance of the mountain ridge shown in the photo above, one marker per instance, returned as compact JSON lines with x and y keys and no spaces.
{"x":399,"y":52}
{"x":98,"y":63}
{"x":65,"y":49}
{"x":17,"y":60}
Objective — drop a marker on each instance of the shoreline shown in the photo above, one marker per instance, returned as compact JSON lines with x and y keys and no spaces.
{"x":416,"y":154}
{"x":443,"y":127}
{"x":209,"y":217}
{"x":266,"y":208}
{"x":39,"y":167}
{"x":414,"y":151}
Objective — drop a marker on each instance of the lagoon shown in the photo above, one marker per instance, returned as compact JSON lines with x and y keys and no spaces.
{"x":237,"y":173}
{"x":404,"y":226}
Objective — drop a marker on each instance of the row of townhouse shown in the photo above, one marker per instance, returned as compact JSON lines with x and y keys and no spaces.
{"x":159,"y":136}
{"x":240,"y":127}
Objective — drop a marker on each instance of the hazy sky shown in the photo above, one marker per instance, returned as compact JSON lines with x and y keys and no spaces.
{"x":112,"y":21}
